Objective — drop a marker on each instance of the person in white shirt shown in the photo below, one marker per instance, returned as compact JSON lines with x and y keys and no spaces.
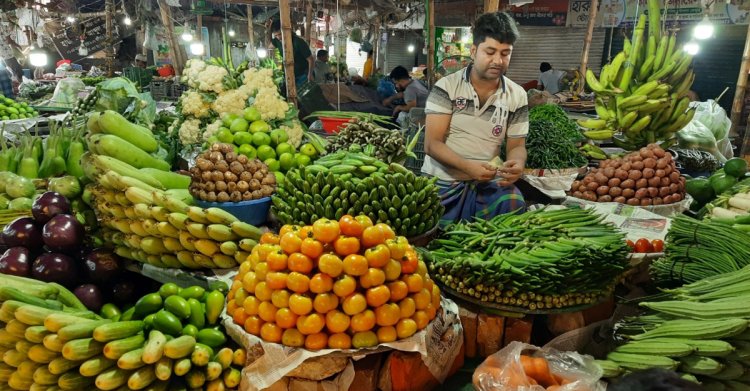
{"x":549,"y":79}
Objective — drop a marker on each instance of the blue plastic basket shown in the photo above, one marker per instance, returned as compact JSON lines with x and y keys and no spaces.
{"x":253,"y":212}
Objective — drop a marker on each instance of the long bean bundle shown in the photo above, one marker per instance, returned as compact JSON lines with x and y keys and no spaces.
{"x":536,"y":260}
{"x":698,"y":249}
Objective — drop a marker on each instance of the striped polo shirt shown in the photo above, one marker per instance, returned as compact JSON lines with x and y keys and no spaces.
{"x":476,"y":133}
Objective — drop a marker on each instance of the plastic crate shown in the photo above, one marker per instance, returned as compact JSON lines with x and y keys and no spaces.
{"x":177,"y":90}
{"x":139,"y":76}
{"x":159,"y":90}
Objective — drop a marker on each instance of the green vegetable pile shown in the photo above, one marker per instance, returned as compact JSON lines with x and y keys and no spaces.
{"x":538,"y":260}
{"x":552,"y":138}
{"x":10,"y":109}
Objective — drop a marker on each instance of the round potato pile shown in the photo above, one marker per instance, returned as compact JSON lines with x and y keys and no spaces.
{"x":221,"y":175}
{"x":645,"y":177}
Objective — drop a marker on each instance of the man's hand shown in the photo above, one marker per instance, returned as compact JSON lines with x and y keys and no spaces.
{"x":310,"y":76}
{"x":479,"y":171}
{"x":511,"y":171}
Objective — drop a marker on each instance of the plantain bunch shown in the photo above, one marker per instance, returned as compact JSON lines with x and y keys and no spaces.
{"x":642,"y":92}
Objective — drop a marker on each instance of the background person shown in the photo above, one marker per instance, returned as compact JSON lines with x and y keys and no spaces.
{"x":303,"y":58}
{"x":549,"y":78}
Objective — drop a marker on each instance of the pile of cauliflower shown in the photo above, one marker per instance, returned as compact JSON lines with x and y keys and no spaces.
{"x":212,"y":95}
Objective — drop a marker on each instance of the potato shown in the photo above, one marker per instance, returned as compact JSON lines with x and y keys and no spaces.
{"x":635,"y":158}
{"x":601,"y":178}
{"x":662,"y":163}
{"x":668,"y":170}
{"x":641,"y":183}
{"x":616,"y":164}
{"x":667,"y":199}
{"x":628,"y":193}
{"x":609,"y":172}
{"x":676,"y":197}
{"x":615,"y":191}
{"x":613,"y":182}
{"x":656,"y":182}
{"x":627,"y":184}
{"x":665,"y":181}
{"x":674,"y":176}
{"x":589,"y":195}
{"x":638,"y":166}
{"x":660,"y":173}
{"x":582,"y":188}
{"x":646,"y":202}
{"x":649,"y":162}
{"x":625,"y":166}
{"x":653,"y":191}
{"x":674,"y":188}
{"x":621,"y":174}
{"x":577,"y":194}
{"x":575,"y":184}
{"x":593,"y":186}
{"x":634,"y":202}
{"x":646,"y":153}
{"x":635,"y":175}
{"x":658,"y":201}
{"x":620,"y":200}
{"x":602,"y":190}
{"x":658,"y":152}
{"x":604,"y":198}
{"x":641,"y":193}
{"x":664,"y":191}
{"x":648,"y":173}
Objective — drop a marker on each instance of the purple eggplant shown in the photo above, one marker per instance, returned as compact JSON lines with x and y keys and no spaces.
{"x":90,"y":296}
{"x":22,"y":232}
{"x":49,"y":205}
{"x":63,"y":233}
{"x":16,"y":261}
{"x":55,"y":267}
{"x":101,"y":266}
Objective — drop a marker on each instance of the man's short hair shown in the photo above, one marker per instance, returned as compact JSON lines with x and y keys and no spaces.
{"x":544,"y":67}
{"x":276,"y":25}
{"x":399,"y":73}
{"x":322,"y":53}
{"x":499,"y":26}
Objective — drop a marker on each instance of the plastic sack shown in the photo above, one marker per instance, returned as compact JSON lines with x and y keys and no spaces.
{"x":713,"y":116}
{"x":696,"y":135}
{"x":66,"y":92}
{"x":546,"y":370}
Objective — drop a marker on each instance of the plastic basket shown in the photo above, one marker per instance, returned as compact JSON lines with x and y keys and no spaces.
{"x":177,"y":90}
{"x":333,"y":125}
{"x":253,"y":212}
{"x":159,"y":90}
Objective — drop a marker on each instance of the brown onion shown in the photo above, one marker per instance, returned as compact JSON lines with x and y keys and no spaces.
{"x":619,"y":200}
{"x":653,"y":191}
{"x":634,"y":201}
{"x":646,"y":201}
{"x":641,"y":183}
{"x":614,"y":182}
{"x":649,"y":162}
{"x":615,"y":191}
{"x":628,"y":193}
{"x":628,"y":184}
{"x":602,"y":190}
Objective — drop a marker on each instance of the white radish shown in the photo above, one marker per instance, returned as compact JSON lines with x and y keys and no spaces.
{"x":724,"y":213}
{"x":740,"y":203}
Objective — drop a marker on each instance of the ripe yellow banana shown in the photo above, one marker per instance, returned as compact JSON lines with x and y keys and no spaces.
{"x":248,"y":244}
{"x":224,"y":261}
{"x":241,"y":256}
{"x":121,"y":225}
{"x":599,"y":134}
{"x":220,"y":233}
{"x":122,"y":199}
{"x":187,"y":241}
{"x":173,"y":245}
{"x":197,"y":230}
{"x":640,"y":124}
{"x":187,"y":260}
{"x":138,"y":196}
{"x":168,"y":230}
{"x":229,"y":248}
{"x":206,"y":247}
{"x":159,"y":213}
{"x":626,"y":120}
{"x":149,"y":225}
{"x":178,"y":220}
{"x":592,"y":123}
{"x":219,"y":216}
{"x":137,"y":227}
{"x":197,"y":215}
{"x":169,"y":260}
{"x":204,"y":261}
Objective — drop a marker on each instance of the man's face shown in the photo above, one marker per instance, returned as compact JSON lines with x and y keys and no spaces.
{"x":401,"y":84}
{"x":324,"y":58}
{"x":277,"y":35}
{"x":491,"y":58}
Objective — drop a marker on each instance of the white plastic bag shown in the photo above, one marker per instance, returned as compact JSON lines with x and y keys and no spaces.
{"x":696,"y":135}
{"x":568,"y":371}
{"x":66,"y":92}
{"x":714,"y":117}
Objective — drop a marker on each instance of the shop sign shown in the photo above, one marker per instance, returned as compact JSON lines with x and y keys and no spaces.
{"x":540,"y":13}
{"x":620,"y":13}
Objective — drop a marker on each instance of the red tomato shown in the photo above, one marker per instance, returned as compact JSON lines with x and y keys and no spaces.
{"x":643,"y":246}
{"x":631,"y":245}
{"x":658,"y":245}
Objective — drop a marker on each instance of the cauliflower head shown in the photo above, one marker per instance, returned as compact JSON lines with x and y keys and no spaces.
{"x":232,"y":101}
{"x":211,"y":79}
{"x":270,"y":104}
{"x":194,"y":105}
{"x":211,"y":129}
{"x":192,"y":69}
{"x":295,"y":133}
{"x":190,"y":131}
{"x":254,"y":79}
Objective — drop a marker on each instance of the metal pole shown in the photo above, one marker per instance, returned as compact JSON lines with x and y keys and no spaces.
{"x":587,"y":43}
{"x":286,"y":44}
{"x":739,"y":93}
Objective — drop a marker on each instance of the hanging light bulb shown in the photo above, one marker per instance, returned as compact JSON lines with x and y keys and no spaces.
{"x":410,"y":48}
{"x":187,"y":36}
{"x":197,"y":49}
{"x":127,"y":20}
{"x":704,"y":29}
{"x":262,"y":52}
{"x":231,"y":33}
{"x":692,"y":48}
{"x":70,"y":19}
{"x":37,"y":57}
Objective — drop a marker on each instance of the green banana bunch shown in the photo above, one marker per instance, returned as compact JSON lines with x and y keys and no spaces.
{"x":641,"y":92}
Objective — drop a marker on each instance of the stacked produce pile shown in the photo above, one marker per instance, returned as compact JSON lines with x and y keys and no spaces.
{"x":146,"y":208}
{"x":642,"y":92}
{"x":700,"y":330}
{"x":50,"y":340}
{"x":10,"y":109}
{"x":699,"y":249}
{"x":551,"y":142}
{"x":537,"y":260}
{"x":371,"y":289}
{"x":388,"y":144}
{"x":352,"y":182}
{"x":220,"y":175}
{"x":646,"y":177}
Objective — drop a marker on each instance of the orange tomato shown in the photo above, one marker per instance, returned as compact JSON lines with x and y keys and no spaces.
{"x":373,"y":277}
{"x":431,"y":311}
{"x":249,"y":281}
{"x":350,"y":226}
{"x":253,"y":324}
{"x":422,"y":299}
{"x":261,"y":271}
{"x":325,"y":302}
{"x":263,"y":292}
{"x":310,"y":324}
{"x":435,"y":296}
{"x":311,"y":247}
{"x":378,"y":256}
{"x":290,"y":242}
{"x":286,"y":228}
{"x":339,"y":341}
{"x":305,"y":232}
{"x":253,"y":258}
{"x":326,"y":230}
{"x":250,"y":305}
{"x":267,"y":311}
{"x":421,"y":318}
{"x":355,"y":265}
{"x":363,"y":321}
{"x":398,"y":289}
{"x":392,"y":270}
{"x":277,"y":260}
{"x":275,"y":280}
{"x":292,"y":337}
{"x":365,"y":339}
{"x":364,"y":220}
{"x":320,"y":283}
{"x":239,"y":317}
{"x":344,"y":286}
{"x":387,"y":314}
{"x":239,"y":296}
{"x":378,"y":295}
{"x":354,"y":304}
{"x":330,"y":264}
{"x":413,"y":281}
{"x":387,"y":334}
{"x":264,"y":250}
{"x":298,"y":282}
{"x":428,"y":283}
{"x":372,"y":236}
{"x":397,"y":247}
{"x":387,"y":231}
{"x":409,"y":262}
{"x":280,"y":298}
{"x":345,"y":245}
{"x":269,"y":238}
{"x":300,"y":304}
{"x":422,"y":268}
{"x":405,"y":328}
{"x":316,"y":341}
{"x":231,"y":306}
{"x":407,"y":307}
{"x":244,"y":268}
{"x":337,"y":322}
{"x":271,"y":332}
{"x":285,"y":318}
{"x":299,"y":262}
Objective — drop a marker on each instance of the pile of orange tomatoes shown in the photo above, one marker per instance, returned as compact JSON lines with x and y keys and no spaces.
{"x":333,"y":284}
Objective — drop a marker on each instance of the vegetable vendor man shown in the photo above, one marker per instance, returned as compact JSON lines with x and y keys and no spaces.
{"x":470,"y":114}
